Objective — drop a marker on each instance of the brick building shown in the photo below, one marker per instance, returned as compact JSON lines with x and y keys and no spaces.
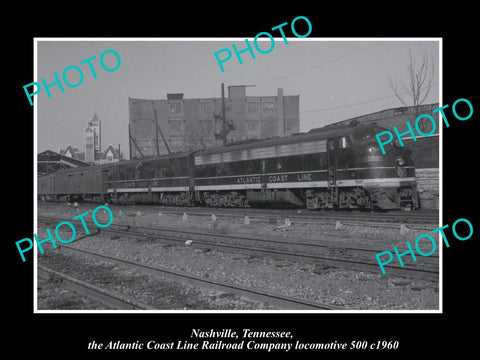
{"x":197,"y":123}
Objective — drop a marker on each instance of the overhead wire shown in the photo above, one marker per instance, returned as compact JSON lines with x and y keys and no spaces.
{"x":329,"y":62}
{"x":319,"y":65}
{"x":359,"y":103}
{"x":315,"y":66}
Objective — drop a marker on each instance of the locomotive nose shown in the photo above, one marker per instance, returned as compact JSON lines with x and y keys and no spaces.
{"x":400,"y":161}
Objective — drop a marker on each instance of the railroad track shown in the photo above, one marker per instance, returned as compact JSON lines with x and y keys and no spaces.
{"x":327,"y":253}
{"x":92,"y":291}
{"x":299,"y":215}
{"x":278,"y":300}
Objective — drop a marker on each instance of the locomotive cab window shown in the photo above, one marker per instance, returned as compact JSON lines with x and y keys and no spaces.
{"x":343,"y":143}
{"x":331,"y":144}
{"x":365,"y":134}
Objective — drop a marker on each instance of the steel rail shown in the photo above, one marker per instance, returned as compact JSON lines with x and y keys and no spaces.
{"x":211,"y":240}
{"x":279,"y":300}
{"x":393,"y":217}
{"x":315,"y":243}
{"x":106,"y":297}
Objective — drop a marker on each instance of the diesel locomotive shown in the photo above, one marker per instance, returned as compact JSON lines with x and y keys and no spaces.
{"x":336,"y":167}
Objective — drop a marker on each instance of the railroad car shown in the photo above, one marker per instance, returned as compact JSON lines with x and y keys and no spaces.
{"x":83,"y":183}
{"x":333,"y":167}
{"x":164,"y":180}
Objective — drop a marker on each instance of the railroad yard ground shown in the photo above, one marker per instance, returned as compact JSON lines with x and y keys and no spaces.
{"x":336,"y":286}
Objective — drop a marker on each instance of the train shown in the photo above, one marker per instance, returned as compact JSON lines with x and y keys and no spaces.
{"x":335,"y":167}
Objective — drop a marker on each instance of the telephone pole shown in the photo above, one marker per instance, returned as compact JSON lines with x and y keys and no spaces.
{"x":158,"y":130}
{"x":224,"y":121}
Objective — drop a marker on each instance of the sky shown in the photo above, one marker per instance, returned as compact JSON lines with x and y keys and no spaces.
{"x":336,"y":79}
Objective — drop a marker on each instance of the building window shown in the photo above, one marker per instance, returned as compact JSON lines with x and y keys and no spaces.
{"x":175,"y":124}
{"x":268,"y":108}
{"x":252,"y":108}
{"x":206,"y":108}
{"x":109,"y":157}
{"x":253,"y":125}
{"x":175,"y":108}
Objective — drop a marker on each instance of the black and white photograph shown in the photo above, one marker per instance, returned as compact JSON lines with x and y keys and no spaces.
{"x":264,"y":189}
{"x":278,"y":190}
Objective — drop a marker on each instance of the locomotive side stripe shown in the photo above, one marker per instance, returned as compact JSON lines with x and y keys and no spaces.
{"x":375,"y":167}
{"x":265,"y":174}
{"x":299,"y":172}
{"x":153,"y":179}
{"x":172,"y":188}
{"x":385,"y":182}
{"x":388,"y":182}
{"x":229,"y":187}
{"x":395,"y":182}
{"x":154,"y":189}
{"x":128,"y":190}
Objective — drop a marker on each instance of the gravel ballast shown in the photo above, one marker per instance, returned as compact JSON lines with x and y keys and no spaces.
{"x":356,"y":290}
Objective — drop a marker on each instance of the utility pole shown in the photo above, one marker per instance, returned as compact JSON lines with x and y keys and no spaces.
{"x":129,"y":143}
{"x":158,"y":130}
{"x":224,"y":121}
{"x":130,"y":137}
{"x":48,"y":163}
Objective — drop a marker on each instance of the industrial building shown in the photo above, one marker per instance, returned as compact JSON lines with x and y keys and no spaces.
{"x":176,"y":123}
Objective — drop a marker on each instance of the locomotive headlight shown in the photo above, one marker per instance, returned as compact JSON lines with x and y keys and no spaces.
{"x":401,"y":161}
{"x":402,"y":172}
{"x":372,"y":149}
